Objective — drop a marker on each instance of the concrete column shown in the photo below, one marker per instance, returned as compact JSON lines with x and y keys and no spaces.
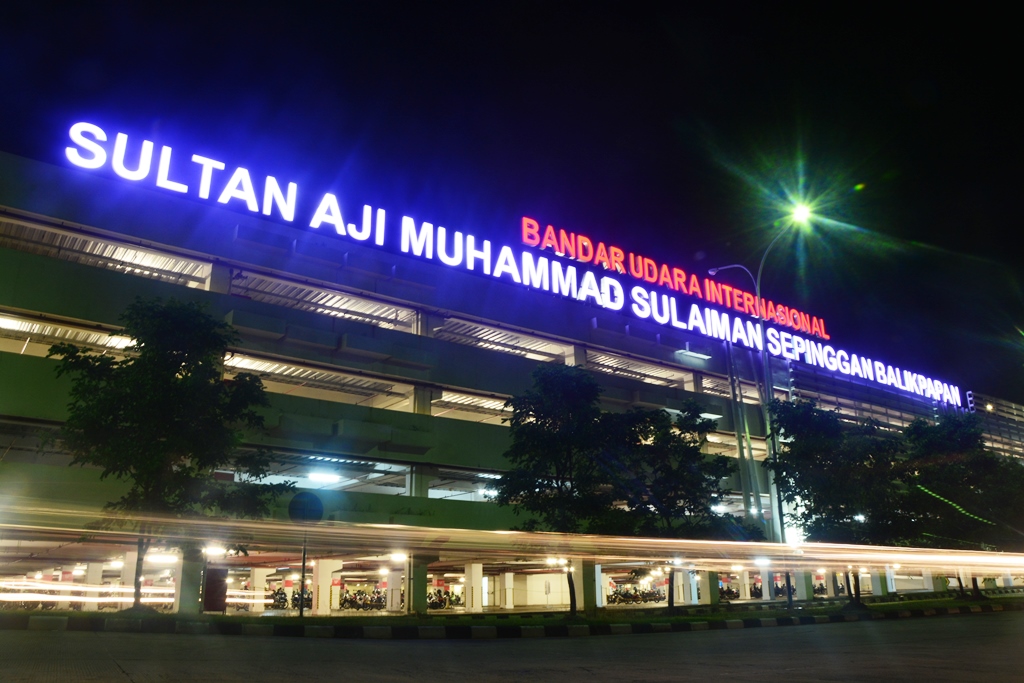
{"x":220,"y":278}
{"x":576,"y":356}
{"x":879,"y":582}
{"x":473,"y":593}
{"x":690,"y":588}
{"x":393,"y":594}
{"x":890,"y":579}
{"x":929,"y":582}
{"x":425,"y":324}
{"x":93,"y":576}
{"x":767,"y":585}
{"x":258,"y":579}
{"x":416,"y":586}
{"x":422,"y":399}
{"x":506,"y":588}
{"x":578,"y":584}
{"x":63,"y":590}
{"x":417,"y":482}
{"x":1006,"y":581}
{"x":831,"y":585}
{"x":188,"y":581}
{"x":290,"y":590}
{"x":681,"y":577}
{"x":803,"y":582}
{"x":590,"y":577}
{"x":744,"y":585}
{"x":324,"y":599}
{"x":128,"y":577}
{"x":776,"y":522}
{"x":708,"y":588}
{"x":177,"y":582}
{"x":965,"y":579}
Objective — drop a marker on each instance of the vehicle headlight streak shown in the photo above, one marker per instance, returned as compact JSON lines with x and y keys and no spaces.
{"x":332,"y":539}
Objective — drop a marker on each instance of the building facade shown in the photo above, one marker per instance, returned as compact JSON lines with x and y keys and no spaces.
{"x":389,"y":344}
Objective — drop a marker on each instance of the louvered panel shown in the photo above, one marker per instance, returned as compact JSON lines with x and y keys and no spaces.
{"x":13,"y":327}
{"x":103,"y":253}
{"x":635,"y":369}
{"x":482,"y":405}
{"x":506,"y":341}
{"x":323,"y":301}
{"x":311,"y":377}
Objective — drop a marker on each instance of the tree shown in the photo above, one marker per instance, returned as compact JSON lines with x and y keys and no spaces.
{"x":576,"y":469}
{"x":162,"y":419}
{"x":931,"y":485}
{"x":660,"y":471}
{"x":961,"y":494}
{"x":843,"y":483}
{"x":555,"y":474}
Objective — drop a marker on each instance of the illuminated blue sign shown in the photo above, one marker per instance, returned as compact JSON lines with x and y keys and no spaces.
{"x":209,"y":178}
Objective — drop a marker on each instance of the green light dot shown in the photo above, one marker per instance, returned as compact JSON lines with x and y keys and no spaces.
{"x":858,"y":187}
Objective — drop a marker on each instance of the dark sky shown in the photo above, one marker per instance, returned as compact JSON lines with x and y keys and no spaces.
{"x":669,"y":131}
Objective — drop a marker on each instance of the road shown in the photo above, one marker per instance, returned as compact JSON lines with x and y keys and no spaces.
{"x":963,"y":648}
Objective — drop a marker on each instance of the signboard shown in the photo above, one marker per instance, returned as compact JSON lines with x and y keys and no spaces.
{"x":557,"y":262}
{"x":215,"y":589}
{"x":305,"y":507}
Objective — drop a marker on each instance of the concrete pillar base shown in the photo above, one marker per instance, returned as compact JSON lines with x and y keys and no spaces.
{"x":473,"y":593}
{"x":188,"y":582}
{"x":258,"y":580}
{"x":803,"y":582}
{"x":326,"y":597}
{"x":94,"y":577}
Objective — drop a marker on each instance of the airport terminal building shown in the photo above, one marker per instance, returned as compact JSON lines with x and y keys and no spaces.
{"x":389,"y":343}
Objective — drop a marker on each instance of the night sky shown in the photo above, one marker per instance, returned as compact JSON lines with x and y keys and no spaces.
{"x":672,"y":132}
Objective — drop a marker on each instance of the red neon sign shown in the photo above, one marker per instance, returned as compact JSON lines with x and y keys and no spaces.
{"x":582,"y":248}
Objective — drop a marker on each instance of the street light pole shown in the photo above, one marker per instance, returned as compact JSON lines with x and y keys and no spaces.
{"x":764,"y":387}
{"x":801,"y":214}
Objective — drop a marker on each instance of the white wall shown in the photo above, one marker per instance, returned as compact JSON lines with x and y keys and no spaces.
{"x":529,"y":589}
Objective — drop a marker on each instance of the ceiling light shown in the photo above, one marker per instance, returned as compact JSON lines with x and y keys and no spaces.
{"x":161,"y":558}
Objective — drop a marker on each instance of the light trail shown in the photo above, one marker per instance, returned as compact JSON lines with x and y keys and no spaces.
{"x":280,"y":541}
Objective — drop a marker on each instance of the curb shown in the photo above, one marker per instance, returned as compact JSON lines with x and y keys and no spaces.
{"x":457,"y":632}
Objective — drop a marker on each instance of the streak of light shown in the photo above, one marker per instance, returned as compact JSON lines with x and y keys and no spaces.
{"x":331,"y":539}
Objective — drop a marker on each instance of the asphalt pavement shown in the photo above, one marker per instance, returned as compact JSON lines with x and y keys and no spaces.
{"x":984,"y":647}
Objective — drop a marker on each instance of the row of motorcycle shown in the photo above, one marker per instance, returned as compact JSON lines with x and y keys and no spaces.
{"x":359,"y":600}
{"x":279,"y":599}
{"x":625,"y":596}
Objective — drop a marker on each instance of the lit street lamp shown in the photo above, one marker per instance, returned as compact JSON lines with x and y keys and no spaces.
{"x":800,"y":215}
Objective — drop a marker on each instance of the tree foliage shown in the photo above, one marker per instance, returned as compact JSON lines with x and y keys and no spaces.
{"x":660,"y":472}
{"x":162,"y":418}
{"x":556,"y":472}
{"x":841,"y":483}
{"x":577,"y":469}
{"x":929,"y":485}
{"x":961,"y":494}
